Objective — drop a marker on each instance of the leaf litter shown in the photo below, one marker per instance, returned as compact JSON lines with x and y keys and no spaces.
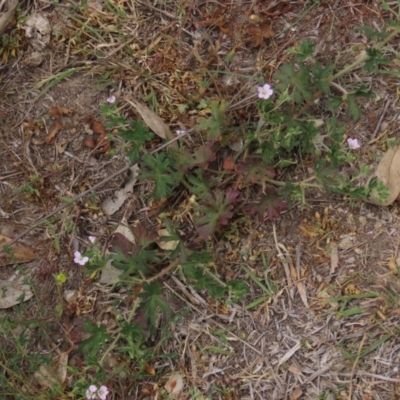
{"x":264,"y":359}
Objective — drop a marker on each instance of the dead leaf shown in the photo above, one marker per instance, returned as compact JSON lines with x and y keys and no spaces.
{"x":174,"y":384}
{"x":49,"y":138}
{"x":229,"y":164}
{"x":97,"y":127}
{"x":54,"y":374}
{"x":7,"y":16}
{"x":114,"y":203}
{"x":13,"y":293}
{"x":37,"y":29}
{"x":58,"y":112}
{"x":18,"y":254}
{"x":388,"y":172}
{"x":153,"y":121}
{"x":170,"y":245}
{"x":257,"y":33}
{"x":123,"y":240}
{"x":150,"y":370}
{"x":309,"y":232}
{"x":102,"y":144}
{"x":334,"y":258}
{"x":297,"y":392}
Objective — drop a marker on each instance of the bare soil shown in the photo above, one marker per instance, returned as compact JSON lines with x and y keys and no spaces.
{"x":317,"y":346}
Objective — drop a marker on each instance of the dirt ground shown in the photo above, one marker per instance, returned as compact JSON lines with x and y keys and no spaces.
{"x":330,"y":329}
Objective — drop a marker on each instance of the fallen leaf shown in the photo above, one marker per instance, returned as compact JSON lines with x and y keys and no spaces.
{"x":37,"y":29}
{"x":170,"y":245}
{"x":153,"y":121}
{"x":114,"y":203}
{"x":257,"y":33}
{"x":49,"y":138}
{"x":18,"y":253}
{"x":334,"y":258}
{"x":97,"y":127}
{"x":388,"y":173}
{"x":54,"y":374}
{"x":58,"y":112}
{"x":123,"y":241}
{"x":13,"y":293}
{"x":7,"y":16}
{"x":229,"y":164}
{"x":174,"y":384}
{"x":150,"y":370}
{"x":102,"y":144}
{"x":297,"y":392}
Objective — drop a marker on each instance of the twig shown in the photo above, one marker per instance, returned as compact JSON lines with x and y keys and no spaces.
{"x":86,"y":192}
{"x":355,"y":364}
{"x":378,"y":126}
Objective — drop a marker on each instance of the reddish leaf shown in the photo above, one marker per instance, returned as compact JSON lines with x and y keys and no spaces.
{"x":229,"y":164}
{"x":143,"y":236}
{"x":120,"y":244}
{"x":203,"y":155}
{"x":254,"y":170}
{"x":269,"y":206}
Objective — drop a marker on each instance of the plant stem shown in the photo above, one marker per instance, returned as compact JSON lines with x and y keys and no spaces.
{"x":364,"y":57}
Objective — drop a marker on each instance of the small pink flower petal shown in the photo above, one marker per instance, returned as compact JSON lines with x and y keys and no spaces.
{"x":265,"y":92}
{"x":92,"y":239}
{"x":79,"y":259}
{"x":102,"y":392}
{"x":354,"y":144}
{"x":111,"y":99}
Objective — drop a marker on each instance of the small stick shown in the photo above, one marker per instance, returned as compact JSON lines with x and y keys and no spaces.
{"x":378,"y":126}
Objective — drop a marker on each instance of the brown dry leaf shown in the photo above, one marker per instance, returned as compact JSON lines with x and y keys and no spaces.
{"x":388,"y":172}
{"x":19,"y":253}
{"x":58,"y":112}
{"x":50,"y":137}
{"x":259,"y":32}
{"x":153,"y":121}
{"x":229,"y":164}
{"x":392,"y":265}
{"x":150,"y":370}
{"x":308,"y":231}
{"x":174,"y":384}
{"x":97,"y":127}
{"x":297,"y":392}
{"x":102,"y":144}
{"x":7,"y":16}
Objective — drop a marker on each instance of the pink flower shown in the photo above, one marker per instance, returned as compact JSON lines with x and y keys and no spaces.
{"x":92,"y":239}
{"x":102,"y":392}
{"x":111,"y":99}
{"x":265,"y":92}
{"x":354,"y":144}
{"x":79,"y":259}
{"x":91,"y":392}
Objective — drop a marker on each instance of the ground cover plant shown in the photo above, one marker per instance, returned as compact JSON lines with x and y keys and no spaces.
{"x":241,"y":256}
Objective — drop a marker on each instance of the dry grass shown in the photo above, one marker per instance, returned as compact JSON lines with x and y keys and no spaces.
{"x":321,"y":317}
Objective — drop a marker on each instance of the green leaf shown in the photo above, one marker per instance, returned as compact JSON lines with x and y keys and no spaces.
{"x":153,"y":303}
{"x":91,"y":346}
{"x":303,"y":51}
{"x":163,"y":174}
{"x":375,"y":59}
